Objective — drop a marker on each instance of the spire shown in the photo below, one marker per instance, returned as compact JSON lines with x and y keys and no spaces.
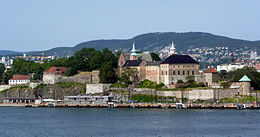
{"x":172,"y":49}
{"x":133,"y":51}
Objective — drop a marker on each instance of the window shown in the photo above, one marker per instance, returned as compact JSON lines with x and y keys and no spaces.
{"x":173,"y":72}
{"x":183,"y":72}
{"x":188,"y":72}
{"x":162,"y":72}
{"x":165,"y":72}
{"x":192,"y":72}
{"x":179,"y":72}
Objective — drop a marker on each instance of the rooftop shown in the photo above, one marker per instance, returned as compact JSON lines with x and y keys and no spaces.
{"x":211,"y":70}
{"x":245,"y":79}
{"x":54,"y":69}
{"x":180,"y":59}
{"x":130,"y":63}
{"x":21,"y":77}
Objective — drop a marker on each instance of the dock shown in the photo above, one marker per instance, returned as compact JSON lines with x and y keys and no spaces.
{"x":137,"y":105}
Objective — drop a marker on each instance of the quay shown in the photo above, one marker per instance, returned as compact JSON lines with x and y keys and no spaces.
{"x":137,"y":105}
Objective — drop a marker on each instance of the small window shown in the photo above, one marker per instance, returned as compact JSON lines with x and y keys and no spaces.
{"x":165,"y":72}
{"x":183,"y":72}
{"x":162,"y":72}
{"x":179,"y":72}
{"x":173,"y":72}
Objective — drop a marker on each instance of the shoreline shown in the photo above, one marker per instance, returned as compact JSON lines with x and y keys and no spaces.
{"x":135,"y":105}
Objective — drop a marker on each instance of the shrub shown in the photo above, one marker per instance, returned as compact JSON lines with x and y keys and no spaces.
{"x":179,"y":81}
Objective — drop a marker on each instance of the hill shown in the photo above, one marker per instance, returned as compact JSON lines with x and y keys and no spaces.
{"x":8,"y":52}
{"x":157,"y":41}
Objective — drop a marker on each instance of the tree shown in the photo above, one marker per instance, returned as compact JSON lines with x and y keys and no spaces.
{"x":107,"y":73}
{"x":251,"y":72}
{"x":70,"y":71}
{"x":223,"y":74}
{"x":8,"y":75}
{"x":129,"y":76}
{"x":82,"y":59}
{"x":2,"y":70}
{"x":155,"y":57}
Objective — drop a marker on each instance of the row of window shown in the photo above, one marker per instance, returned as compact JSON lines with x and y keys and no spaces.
{"x":19,"y":80}
{"x":179,"y":66}
{"x":179,"y":72}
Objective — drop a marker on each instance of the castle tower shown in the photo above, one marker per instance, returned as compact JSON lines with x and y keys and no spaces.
{"x":245,"y":85}
{"x":133,"y":55}
{"x":172,"y":50}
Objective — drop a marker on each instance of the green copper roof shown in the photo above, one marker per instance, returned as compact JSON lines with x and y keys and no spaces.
{"x":134,"y":54}
{"x":244,"y":78}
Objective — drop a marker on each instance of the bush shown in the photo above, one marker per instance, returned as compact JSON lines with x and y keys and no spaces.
{"x":148,"y":84}
{"x":179,"y":81}
{"x":118,"y":85}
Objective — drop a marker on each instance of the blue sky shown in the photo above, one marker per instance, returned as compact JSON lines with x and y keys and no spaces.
{"x":27,"y":25}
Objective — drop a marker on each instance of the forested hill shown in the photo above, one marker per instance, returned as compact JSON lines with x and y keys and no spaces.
{"x":157,"y":41}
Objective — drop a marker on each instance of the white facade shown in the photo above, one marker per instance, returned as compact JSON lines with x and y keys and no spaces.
{"x":229,"y":67}
{"x":18,"y":82}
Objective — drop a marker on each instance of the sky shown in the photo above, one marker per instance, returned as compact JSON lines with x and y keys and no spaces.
{"x":34,"y":25}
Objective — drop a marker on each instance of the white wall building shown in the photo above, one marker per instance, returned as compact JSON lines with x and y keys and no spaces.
{"x":229,"y":67}
{"x":19,"y":79}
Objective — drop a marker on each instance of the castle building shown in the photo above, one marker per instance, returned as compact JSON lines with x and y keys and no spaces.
{"x":175,"y":67}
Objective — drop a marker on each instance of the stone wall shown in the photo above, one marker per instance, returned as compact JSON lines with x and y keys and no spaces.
{"x":49,"y":91}
{"x":195,"y":94}
{"x":51,"y":79}
{"x":97,"y":88}
{"x":83,"y":78}
{"x":4,"y":87}
{"x":34,"y":84}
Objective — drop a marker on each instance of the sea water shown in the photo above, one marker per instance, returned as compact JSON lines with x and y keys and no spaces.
{"x":77,"y":122}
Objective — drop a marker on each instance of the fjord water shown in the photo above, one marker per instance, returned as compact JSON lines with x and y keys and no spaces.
{"x":127,"y":122}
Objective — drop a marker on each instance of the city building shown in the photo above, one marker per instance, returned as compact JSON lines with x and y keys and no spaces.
{"x":230,"y":67}
{"x":19,"y":79}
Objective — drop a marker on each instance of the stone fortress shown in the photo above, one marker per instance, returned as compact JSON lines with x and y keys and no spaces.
{"x":175,"y":67}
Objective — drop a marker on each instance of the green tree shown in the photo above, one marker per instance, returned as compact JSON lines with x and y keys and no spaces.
{"x":107,"y":73}
{"x":251,"y":72}
{"x":129,"y":76}
{"x":70,"y":71}
{"x":96,"y":60}
{"x":8,"y":75}
{"x":2,"y":70}
{"x":155,"y":57}
{"x":82,"y":59}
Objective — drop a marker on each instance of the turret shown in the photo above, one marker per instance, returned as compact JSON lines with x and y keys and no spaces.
{"x":172,"y":50}
{"x":133,"y":55}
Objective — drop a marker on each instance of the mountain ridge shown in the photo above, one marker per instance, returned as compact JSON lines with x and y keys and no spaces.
{"x":156,"y":41}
